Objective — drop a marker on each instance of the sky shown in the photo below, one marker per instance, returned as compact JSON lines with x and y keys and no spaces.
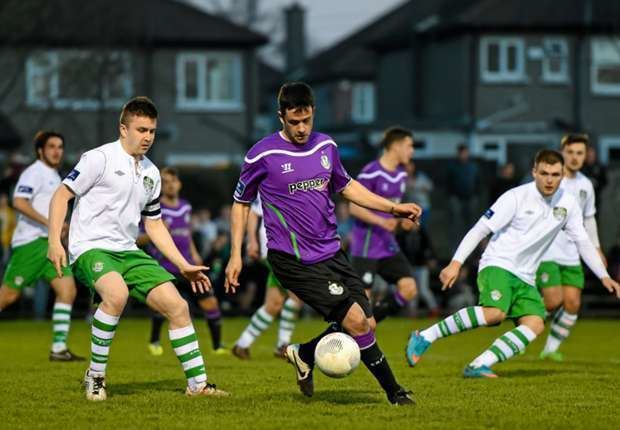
{"x":327,"y":21}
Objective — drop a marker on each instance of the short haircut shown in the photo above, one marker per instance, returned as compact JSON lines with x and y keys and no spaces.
{"x":548,"y":156}
{"x":462,"y":147}
{"x":138,"y":106}
{"x":394,"y":134}
{"x":571,"y":138}
{"x":41,"y":138}
{"x":169,"y":171}
{"x":295,"y":95}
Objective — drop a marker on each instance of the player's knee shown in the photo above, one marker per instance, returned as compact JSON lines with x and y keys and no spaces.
{"x":356,"y":322}
{"x":8,"y":296}
{"x":274,"y":306}
{"x":67,"y":293}
{"x":572,"y":304}
{"x":407,"y":288}
{"x":116,"y":300}
{"x":494,"y":316}
{"x":177,"y":311}
{"x":372,"y":323}
{"x":537,"y":325}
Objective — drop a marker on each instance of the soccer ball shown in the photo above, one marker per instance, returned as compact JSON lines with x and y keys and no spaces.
{"x":337,"y":355}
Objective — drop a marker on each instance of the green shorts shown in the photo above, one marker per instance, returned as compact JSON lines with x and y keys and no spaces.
{"x":29,"y":263}
{"x":502,"y":290}
{"x":551,"y":274}
{"x":140,"y":271}
{"x":272,"y":281}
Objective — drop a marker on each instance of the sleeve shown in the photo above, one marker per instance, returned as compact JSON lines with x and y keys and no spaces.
{"x":340,"y":178}
{"x":152,"y":209}
{"x":501,"y":212}
{"x":590,"y":208}
{"x":592,"y":229}
{"x":251,"y":176}
{"x":86,"y":173}
{"x":471,"y":240}
{"x":27,"y":185}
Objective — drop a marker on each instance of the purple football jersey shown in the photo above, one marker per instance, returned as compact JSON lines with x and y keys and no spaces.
{"x":295,"y":184}
{"x":371,"y":241}
{"x":178,"y":221}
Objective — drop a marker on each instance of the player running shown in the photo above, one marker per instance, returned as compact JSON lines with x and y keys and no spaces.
{"x":296,"y":170}
{"x":373,"y":246}
{"x":524,"y":221}
{"x":560,"y":275}
{"x":176,"y":213}
{"x":114,"y":185}
{"x":28,"y":262}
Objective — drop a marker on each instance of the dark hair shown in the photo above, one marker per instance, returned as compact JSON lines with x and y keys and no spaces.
{"x":548,"y":156}
{"x":462,"y":147}
{"x":295,"y":95}
{"x":571,"y":138}
{"x":138,"y":106}
{"x":394,"y":134}
{"x":169,"y":171}
{"x":41,"y":138}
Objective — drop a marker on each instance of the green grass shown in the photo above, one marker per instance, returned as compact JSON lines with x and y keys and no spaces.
{"x":147,"y":392}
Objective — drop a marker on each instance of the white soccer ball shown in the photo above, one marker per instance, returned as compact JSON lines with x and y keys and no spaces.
{"x":337,"y":355}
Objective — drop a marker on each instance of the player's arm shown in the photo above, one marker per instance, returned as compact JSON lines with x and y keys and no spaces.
{"x":252,"y":247}
{"x":57,"y":214}
{"x":238,"y":219}
{"x":592,"y":230}
{"x":370,"y":218}
{"x":362,"y":196}
{"x":24,"y":206}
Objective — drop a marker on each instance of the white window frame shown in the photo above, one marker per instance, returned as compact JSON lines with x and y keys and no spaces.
{"x":201,"y":103}
{"x":367,"y":113}
{"x":503,"y":75}
{"x":54,"y":98}
{"x":561,"y":77}
{"x":596,"y":61}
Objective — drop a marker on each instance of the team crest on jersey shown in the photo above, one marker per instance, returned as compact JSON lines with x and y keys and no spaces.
{"x":544,"y":277}
{"x":583,"y":195}
{"x":19,"y":280}
{"x":98,"y":267}
{"x":325,"y":162}
{"x":559,"y":213}
{"x":335,"y":289}
{"x":496,"y":295}
{"x":149,"y":184}
{"x":367,"y":278}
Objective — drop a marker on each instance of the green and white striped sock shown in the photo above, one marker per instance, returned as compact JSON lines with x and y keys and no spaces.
{"x":185,"y":344}
{"x":288,"y":317}
{"x":102,"y":333}
{"x":464,"y":319}
{"x":561,"y":326}
{"x":259,"y":322}
{"x":61,"y":320}
{"x":506,"y":346}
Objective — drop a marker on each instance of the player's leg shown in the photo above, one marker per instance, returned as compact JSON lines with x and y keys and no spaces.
{"x":21,"y":271}
{"x":8,"y":296}
{"x":395,"y":269}
{"x":213,"y":316}
{"x":288,"y":317}
{"x":422,"y":276}
{"x":65,"y":291}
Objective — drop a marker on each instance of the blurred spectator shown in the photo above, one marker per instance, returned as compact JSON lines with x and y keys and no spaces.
{"x":345,"y":224}
{"x":597,"y":174}
{"x":419,"y":187}
{"x":7,"y":225}
{"x":505,"y":180}
{"x":15,"y":166}
{"x":463,"y":186}
{"x":205,"y":229}
{"x":223,"y":221}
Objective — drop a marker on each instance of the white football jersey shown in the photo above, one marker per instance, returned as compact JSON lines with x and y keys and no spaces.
{"x":257,"y":208}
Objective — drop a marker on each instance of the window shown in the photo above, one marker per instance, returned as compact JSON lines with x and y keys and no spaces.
{"x":363,"y":102}
{"x":605,"y":66}
{"x":502,"y":59}
{"x":555,"y":60}
{"x":209,"y":81}
{"x":77,"y":79}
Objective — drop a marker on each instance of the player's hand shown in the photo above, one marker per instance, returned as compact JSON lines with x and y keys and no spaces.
{"x":449,"y":275}
{"x":407,"y":225}
{"x":407,"y":210}
{"x":389,"y":224}
{"x":233,"y":269}
{"x":57,"y":255}
{"x":252,"y":250}
{"x":198,"y":279}
{"x":612,"y":286}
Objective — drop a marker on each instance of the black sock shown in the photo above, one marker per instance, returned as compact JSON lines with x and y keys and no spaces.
{"x":156,"y":322}
{"x":376,"y":362}
{"x":214,"y":321}
{"x":306,"y":350}
{"x":388,"y":306}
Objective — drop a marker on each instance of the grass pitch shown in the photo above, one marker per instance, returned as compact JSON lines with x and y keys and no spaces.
{"x":147,"y":392}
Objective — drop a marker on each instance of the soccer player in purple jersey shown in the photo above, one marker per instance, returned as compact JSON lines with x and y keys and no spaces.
{"x":373,"y":245}
{"x":296,"y":170}
{"x":176,"y":213}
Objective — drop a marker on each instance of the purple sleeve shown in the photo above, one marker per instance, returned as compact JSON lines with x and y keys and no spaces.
{"x":251,"y":176}
{"x":340,"y":178}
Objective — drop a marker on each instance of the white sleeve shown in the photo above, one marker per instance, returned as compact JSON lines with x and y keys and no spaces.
{"x":152,"y":209}
{"x":575,"y":230}
{"x":27,"y":185}
{"x":589,"y":209}
{"x":471,"y":240}
{"x":502,"y":212}
{"x":592,"y":229}
{"x":86,"y":173}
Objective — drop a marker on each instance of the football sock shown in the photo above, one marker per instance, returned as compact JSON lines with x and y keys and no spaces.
{"x":288,"y":316}
{"x":561,"y":326}
{"x":258,"y":324}
{"x":185,"y":344}
{"x":214,"y":321}
{"x":462,"y":320}
{"x":389,"y":306}
{"x":306,"y":350}
{"x":375,"y":361}
{"x":506,"y":346}
{"x":102,"y":333}
{"x":157,"y":321}
{"x":61,"y":319}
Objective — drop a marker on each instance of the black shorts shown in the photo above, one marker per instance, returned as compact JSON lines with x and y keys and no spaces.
{"x":392,"y":269}
{"x":330,"y":287}
{"x":185,"y":289}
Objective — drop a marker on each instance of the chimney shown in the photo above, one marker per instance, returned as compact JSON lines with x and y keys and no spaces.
{"x":295,"y":44}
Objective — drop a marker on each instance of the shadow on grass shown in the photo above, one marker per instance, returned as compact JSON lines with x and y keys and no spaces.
{"x":519,"y":373}
{"x":167,"y":385}
{"x":336,"y":397}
